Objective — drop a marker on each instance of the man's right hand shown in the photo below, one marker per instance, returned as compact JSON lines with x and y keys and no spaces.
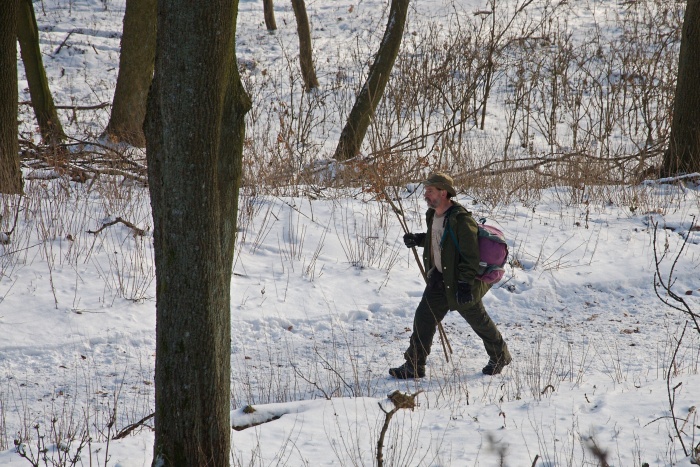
{"x":412,"y":240}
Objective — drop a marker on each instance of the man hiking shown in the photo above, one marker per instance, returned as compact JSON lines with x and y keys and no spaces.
{"x":451,"y":257}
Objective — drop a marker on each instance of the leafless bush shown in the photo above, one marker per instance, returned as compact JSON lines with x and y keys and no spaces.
{"x":63,"y":449}
{"x":663,"y":283}
{"x":664,"y":288}
{"x":589,"y":114}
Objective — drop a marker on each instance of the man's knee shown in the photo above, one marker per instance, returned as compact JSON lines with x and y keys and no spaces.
{"x":474,"y":310}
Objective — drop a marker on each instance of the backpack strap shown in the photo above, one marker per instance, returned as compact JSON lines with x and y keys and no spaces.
{"x":447,"y":227}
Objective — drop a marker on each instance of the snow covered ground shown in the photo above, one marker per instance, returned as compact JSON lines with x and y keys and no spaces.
{"x":323,"y":296}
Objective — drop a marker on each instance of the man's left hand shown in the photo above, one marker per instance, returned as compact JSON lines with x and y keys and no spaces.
{"x":464,"y":293}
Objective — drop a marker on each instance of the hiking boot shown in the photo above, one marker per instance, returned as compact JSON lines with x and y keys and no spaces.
{"x":495,"y":366}
{"x":408,"y":371}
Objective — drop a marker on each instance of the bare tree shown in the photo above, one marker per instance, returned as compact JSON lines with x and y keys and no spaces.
{"x":138,"y":48}
{"x":308,"y":71}
{"x":269,"y":11}
{"x":194,"y":131}
{"x":371,"y":93}
{"x":10,"y":175}
{"x":42,"y":101}
{"x":683,"y":153}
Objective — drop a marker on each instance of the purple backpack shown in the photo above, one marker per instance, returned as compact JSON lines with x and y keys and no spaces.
{"x":493,"y":251}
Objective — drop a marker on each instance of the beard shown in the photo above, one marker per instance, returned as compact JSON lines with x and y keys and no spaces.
{"x":431,"y":204}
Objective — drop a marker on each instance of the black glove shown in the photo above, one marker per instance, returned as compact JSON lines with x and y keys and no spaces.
{"x":435,"y":280}
{"x":464,"y":293}
{"x":412,"y":240}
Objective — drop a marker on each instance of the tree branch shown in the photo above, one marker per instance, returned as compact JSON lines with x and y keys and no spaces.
{"x":137,"y":231}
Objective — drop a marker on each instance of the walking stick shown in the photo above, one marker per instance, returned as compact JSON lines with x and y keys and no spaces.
{"x":404,"y":225}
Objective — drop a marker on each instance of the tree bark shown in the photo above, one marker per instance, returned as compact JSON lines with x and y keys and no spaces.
{"x":10,"y":174}
{"x":42,"y":102}
{"x":308,"y":72}
{"x":683,"y":153}
{"x":194,"y":131}
{"x":371,"y":93}
{"x":269,"y":11}
{"x":138,"y":48}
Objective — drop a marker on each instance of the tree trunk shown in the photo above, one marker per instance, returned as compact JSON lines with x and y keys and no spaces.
{"x":138,"y":50}
{"x":683,"y":153}
{"x":269,"y":11}
{"x":194,"y":131}
{"x":42,"y":102}
{"x":308,"y":73}
{"x":10,"y":174}
{"x":367,"y":100}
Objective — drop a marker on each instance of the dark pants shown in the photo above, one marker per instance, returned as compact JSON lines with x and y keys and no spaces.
{"x":432,"y":309}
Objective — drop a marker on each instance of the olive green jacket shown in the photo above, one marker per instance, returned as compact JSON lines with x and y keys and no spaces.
{"x":458,"y":264}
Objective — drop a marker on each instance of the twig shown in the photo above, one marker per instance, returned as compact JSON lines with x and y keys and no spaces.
{"x":21,"y":249}
{"x":83,"y":107}
{"x":691,"y":411}
{"x":58,"y":49}
{"x":313,"y":383}
{"x":110,"y":171}
{"x":14,"y":224}
{"x":124,"y":432}
{"x":672,"y":398}
{"x":137,"y":231}
{"x":400,"y":401}
{"x":663,"y":417}
{"x":101,"y":105}
{"x":667,"y":285}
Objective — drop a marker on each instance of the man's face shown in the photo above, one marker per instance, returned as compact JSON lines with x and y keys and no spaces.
{"x":434,"y":196}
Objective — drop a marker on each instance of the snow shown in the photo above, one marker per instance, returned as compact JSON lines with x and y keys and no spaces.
{"x":322,"y":301}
